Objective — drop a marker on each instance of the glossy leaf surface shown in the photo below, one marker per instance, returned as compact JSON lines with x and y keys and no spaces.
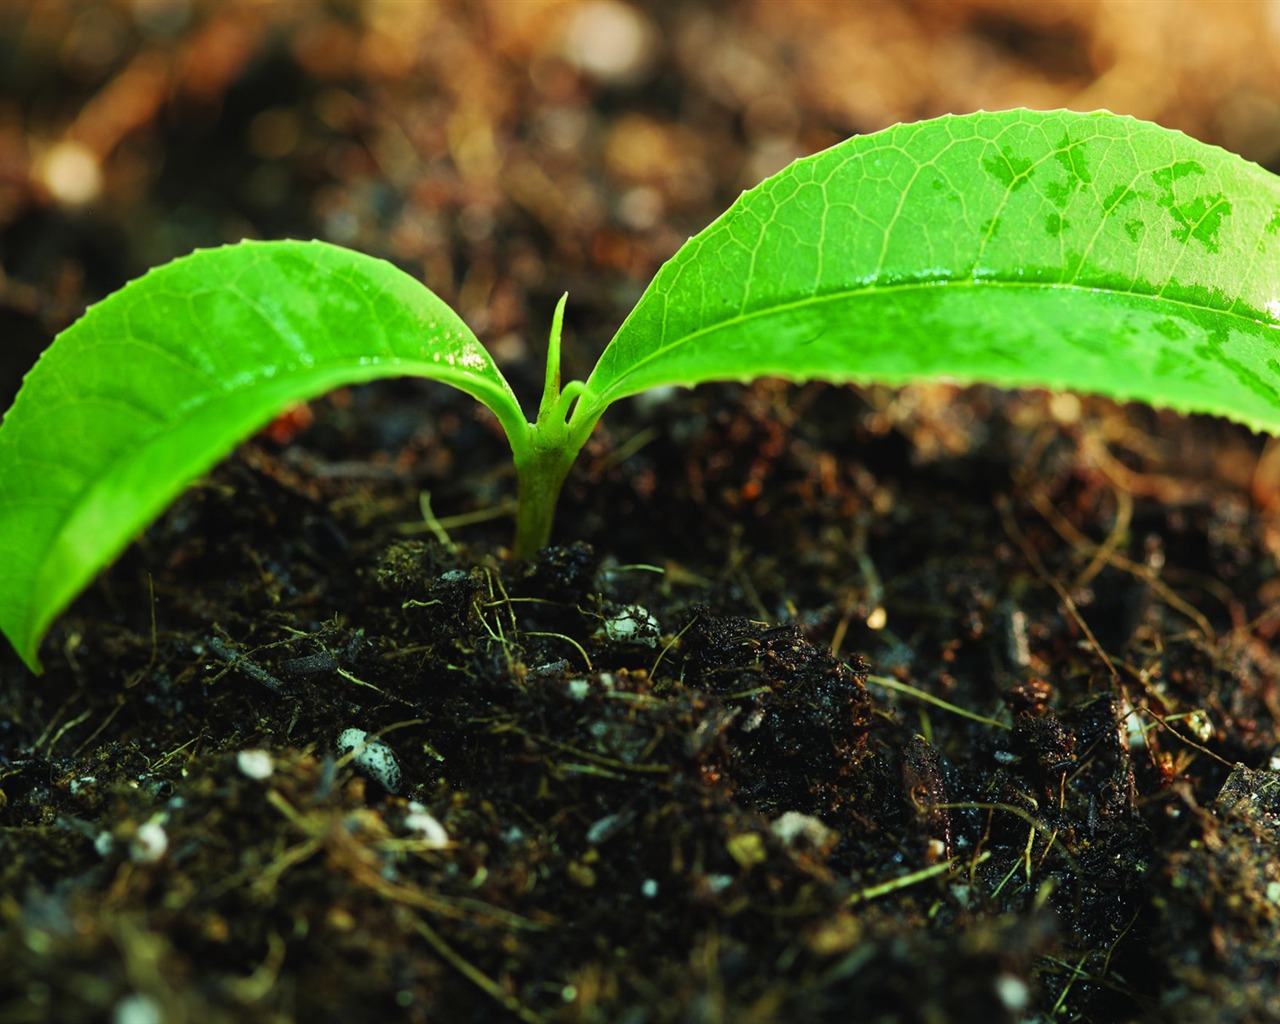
{"x":1070,"y":251}
{"x":160,"y":380}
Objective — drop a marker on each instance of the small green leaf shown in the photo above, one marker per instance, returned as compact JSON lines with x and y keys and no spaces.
{"x":1070,"y":251}
{"x":159,"y":381}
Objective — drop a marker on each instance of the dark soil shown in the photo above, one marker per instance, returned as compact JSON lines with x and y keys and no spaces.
{"x":827,"y":704}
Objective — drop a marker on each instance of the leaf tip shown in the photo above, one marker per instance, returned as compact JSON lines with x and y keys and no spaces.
{"x":27,"y":647}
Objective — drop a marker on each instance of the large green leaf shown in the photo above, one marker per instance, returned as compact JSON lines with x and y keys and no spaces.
{"x":159,"y":381}
{"x":1062,"y":250}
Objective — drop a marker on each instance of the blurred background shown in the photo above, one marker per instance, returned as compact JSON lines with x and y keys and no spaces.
{"x":505,"y":150}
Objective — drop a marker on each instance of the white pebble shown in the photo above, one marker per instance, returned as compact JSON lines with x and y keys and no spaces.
{"x":650,"y":403}
{"x":633,"y":625}
{"x":1013,"y":992}
{"x":372,"y":757}
{"x":150,"y":842}
{"x":255,"y":764}
{"x":793,"y":826}
{"x":137,"y":1009}
{"x":420,"y":820}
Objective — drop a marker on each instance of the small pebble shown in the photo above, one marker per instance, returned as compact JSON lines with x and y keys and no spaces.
{"x":1013,"y":992}
{"x":1201,"y":725}
{"x":793,"y":826}
{"x":150,"y":843}
{"x":255,"y":764}
{"x":633,"y":625}
{"x":372,"y":758}
{"x":137,"y":1009}
{"x":420,"y":820}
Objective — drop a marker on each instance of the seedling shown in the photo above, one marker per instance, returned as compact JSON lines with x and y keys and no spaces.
{"x":1057,"y":250}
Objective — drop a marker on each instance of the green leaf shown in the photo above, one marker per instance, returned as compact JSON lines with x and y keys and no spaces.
{"x":159,"y":381}
{"x":1061,"y":250}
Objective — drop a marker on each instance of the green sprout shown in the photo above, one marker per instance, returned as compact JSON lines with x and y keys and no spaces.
{"x":1060,"y":250}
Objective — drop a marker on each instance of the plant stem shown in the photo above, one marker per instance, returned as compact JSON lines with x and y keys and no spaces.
{"x":539,"y":476}
{"x":545,"y":458}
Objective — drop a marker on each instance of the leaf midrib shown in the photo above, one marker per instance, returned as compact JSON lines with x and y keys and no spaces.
{"x":610,"y":395}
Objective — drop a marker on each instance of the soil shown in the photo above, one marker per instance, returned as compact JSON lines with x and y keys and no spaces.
{"x":903,"y":705}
